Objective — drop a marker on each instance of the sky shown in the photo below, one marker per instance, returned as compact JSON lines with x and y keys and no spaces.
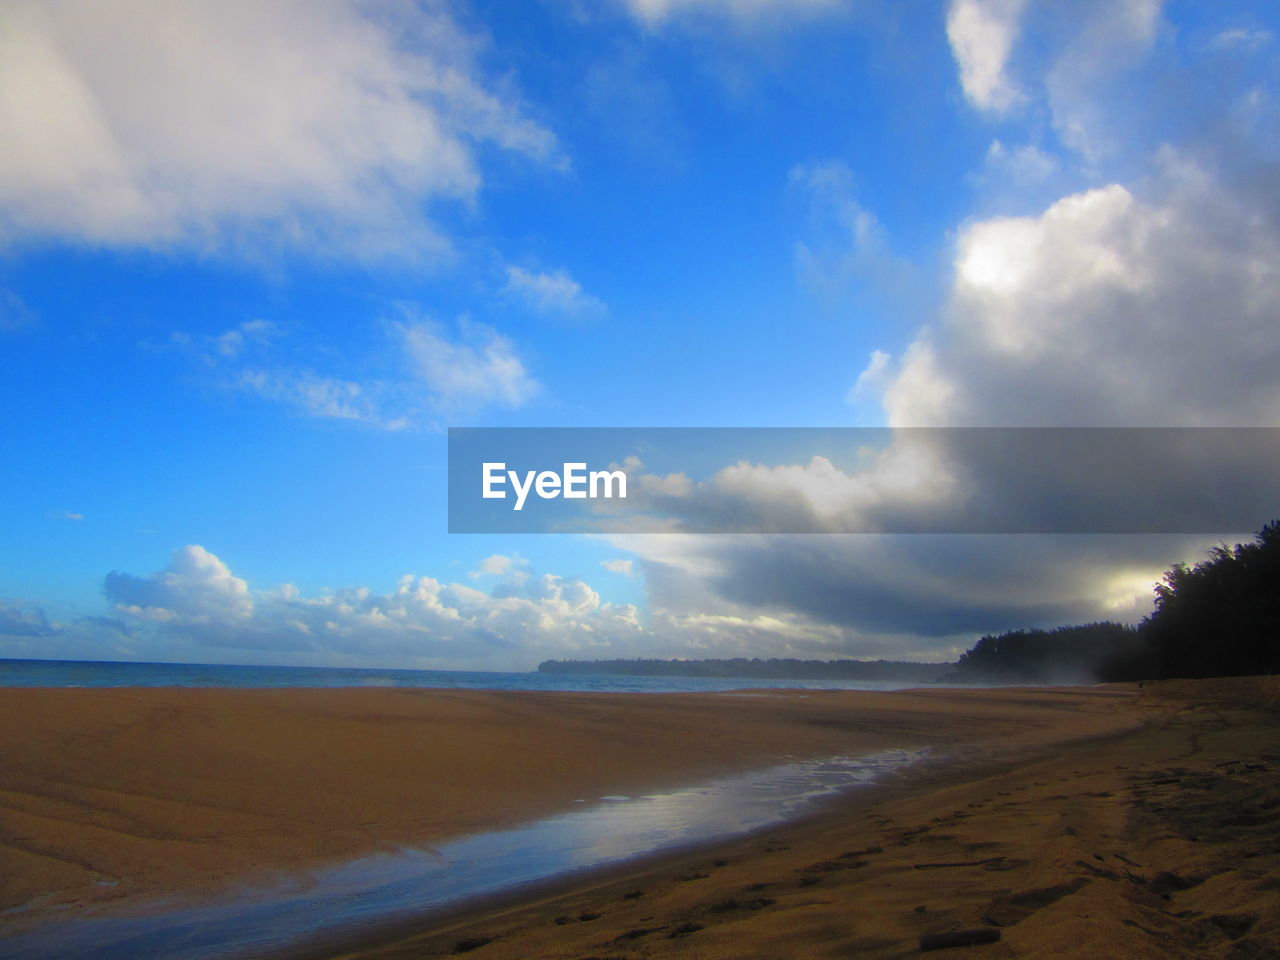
{"x":256,"y":258}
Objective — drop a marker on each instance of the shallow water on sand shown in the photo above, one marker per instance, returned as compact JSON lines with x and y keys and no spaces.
{"x":381,"y":889}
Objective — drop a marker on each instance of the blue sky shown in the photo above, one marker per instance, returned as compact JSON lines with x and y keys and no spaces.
{"x":255,"y":259}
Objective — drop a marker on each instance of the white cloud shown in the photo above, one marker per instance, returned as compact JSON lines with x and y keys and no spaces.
{"x":1146,"y":302}
{"x":656,"y":12}
{"x":709,"y":596}
{"x":551,"y":294}
{"x":1105,"y":310}
{"x":982,"y":34}
{"x":229,"y":125}
{"x":497,"y":565}
{"x":65,"y":515}
{"x":197,"y":605}
{"x":196,"y":587}
{"x":624,"y":567}
{"x":1148,"y":305}
{"x":480,"y":367}
{"x":873,"y":377}
{"x":1079,"y":65}
{"x":422,"y":621}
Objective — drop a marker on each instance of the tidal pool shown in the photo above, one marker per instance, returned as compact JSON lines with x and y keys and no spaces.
{"x":379,"y":890}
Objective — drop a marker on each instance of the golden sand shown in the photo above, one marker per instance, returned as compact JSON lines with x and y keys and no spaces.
{"x":1053,"y":824}
{"x":1159,"y":842}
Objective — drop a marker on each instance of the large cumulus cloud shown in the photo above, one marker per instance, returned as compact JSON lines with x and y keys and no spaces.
{"x":1143,"y":295}
{"x":1106,"y":310}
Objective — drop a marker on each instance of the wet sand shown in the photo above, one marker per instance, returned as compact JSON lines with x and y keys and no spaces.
{"x":1156,"y":841}
{"x":110,"y":798}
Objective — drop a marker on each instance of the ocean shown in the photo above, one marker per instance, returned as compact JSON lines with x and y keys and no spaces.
{"x":86,"y":673}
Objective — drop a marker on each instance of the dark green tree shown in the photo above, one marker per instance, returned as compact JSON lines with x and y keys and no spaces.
{"x":1221,"y":617}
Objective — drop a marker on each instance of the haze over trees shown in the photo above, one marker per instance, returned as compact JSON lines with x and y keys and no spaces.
{"x":1079,"y":654}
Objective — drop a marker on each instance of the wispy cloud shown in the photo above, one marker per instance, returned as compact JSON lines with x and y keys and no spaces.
{"x":14,"y":312}
{"x":1239,"y":38}
{"x":411,"y":372}
{"x":845,"y":249}
{"x":230,"y":343}
{"x":24,"y":621}
{"x":554,"y":294}
{"x":309,"y":393}
{"x":247,"y":359}
{"x":476,"y":367}
{"x":656,"y":12}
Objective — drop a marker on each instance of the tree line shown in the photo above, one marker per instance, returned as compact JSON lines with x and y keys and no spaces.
{"x":1218,"y":618}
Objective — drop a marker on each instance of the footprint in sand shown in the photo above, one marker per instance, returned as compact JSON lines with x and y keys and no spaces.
{"x":684,"y":930}
{"x":471,"y":943}
{"x":637,"y":933}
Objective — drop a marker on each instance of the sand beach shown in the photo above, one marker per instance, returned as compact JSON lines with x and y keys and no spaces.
{"x":1100,"y":821}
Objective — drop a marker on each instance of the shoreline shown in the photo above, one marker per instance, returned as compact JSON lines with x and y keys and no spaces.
{"x":444,"y":928}
{"x":211,"y":797}
{"x":1152,"y":842}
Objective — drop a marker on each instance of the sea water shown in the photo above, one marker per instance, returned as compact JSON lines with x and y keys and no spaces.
{"x":80,"y":673}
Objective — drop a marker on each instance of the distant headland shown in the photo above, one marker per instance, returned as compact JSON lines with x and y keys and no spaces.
{"x":887,"y":670}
